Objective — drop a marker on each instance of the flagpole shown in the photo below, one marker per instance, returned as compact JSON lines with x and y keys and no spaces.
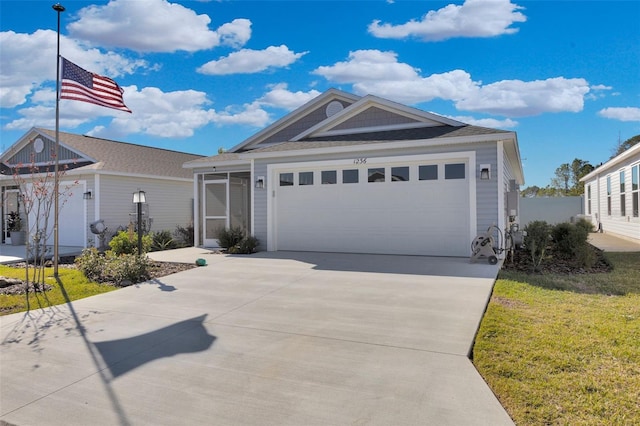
{"x":56,"y":186}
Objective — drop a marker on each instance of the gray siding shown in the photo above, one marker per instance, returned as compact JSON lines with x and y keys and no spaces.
{"x":486,"y":190}
{"x":374,"y":117}
{"x":302,"y":124}
{"x":27,"y":155}
{"x":170,"y":201}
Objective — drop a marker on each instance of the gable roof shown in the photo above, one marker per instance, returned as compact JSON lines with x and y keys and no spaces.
{"x":342,"y":122}
{"x":298,"y":114}
{"x":97,"y":155}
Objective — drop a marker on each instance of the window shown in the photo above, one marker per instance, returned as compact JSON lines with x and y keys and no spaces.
{"x":428,"y":172}
{"x":286,"y":179}
{"x":588,"y":199}
{"x":329,"y":177}
{"x":376,"y":174}
{"x":454,"y":171}
{"x":399,"y":174}
{"x":623,"y":209}
{"x":305,"y":178}
{"x":609,"y":195}
{"x":635,"y":192}
{"x":350,"y":176}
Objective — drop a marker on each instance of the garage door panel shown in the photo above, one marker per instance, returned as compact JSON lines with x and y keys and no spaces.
{"x":415,"y":217}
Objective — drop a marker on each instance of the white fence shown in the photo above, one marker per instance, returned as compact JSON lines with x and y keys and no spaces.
{"x":550,"y":209}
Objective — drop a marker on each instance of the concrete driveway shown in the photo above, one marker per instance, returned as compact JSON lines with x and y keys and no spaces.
{"x":268,"y":339}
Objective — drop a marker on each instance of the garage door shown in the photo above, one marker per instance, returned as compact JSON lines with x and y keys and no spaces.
{"x":415,"y":208}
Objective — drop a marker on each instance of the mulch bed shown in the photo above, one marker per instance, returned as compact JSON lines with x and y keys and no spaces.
{"x":157,"y":270}
{"x":555,"y":263}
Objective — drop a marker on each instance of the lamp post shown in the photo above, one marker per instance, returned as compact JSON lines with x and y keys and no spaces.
{"x":139,"y":198}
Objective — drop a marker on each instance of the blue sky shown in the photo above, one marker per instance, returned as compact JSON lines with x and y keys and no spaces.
{"x":200,"y":75}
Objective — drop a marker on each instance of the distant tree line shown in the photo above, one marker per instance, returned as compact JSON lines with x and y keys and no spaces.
{"x":566,"y":180}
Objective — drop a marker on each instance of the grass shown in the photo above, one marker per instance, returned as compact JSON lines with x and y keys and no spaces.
{"x":565,"y":349}
{"x":75,"y":285}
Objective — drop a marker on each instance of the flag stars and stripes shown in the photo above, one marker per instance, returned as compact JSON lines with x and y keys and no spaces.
{"x":79,"y":84}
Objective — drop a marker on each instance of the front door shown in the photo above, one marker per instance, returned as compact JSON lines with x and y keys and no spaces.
{"x":215,"y":209}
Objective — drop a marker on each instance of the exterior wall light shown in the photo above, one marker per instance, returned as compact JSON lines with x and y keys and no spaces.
{"x":485,"y":171}
{"x":260,"y":182}
{"x":87,"y":195}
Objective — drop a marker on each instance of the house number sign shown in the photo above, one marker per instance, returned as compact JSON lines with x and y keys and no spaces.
{"x":360,"y":161}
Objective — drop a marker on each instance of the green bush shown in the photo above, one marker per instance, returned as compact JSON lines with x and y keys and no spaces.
{"x":587,"y":225}
{"x":91,"y":263}
{"x":235,"y":241}
{"x":570,"y":240}
{"x":536,"y":240}
{"x":229,"y":237}
{"x":247,"y":245}
{"x":185,"y":235}
{"x":127,"y":243}
{"x":124,"y":269}
{"x":162,"y":240}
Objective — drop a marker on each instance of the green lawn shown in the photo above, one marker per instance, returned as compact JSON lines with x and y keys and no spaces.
{"x":560,"y":349}
{"x":76,"y":286}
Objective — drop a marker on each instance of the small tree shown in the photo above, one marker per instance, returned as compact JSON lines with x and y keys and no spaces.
{"x":538,"y":234}
{"x":37,"y":198}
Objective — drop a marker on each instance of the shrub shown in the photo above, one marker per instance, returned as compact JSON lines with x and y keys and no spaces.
{"x":536,"y":241}
{"x":229,"y":237}
{"x":124,"y":269}
{"x":127,"y":243}
{"x":91,"y":263}
{"x":235,"y":241}
{"x":185,"y":235}
{"x":587,"y":225}
{"x":162,"y":240}
{"x":571,"y":241}
{"x":247,"y":245}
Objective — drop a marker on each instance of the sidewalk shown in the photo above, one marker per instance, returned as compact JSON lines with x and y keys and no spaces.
{"x":610,"y":242}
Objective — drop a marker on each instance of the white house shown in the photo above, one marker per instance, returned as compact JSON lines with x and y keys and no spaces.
{"x":345,"y":173}
{"x":98,"y":183}
{"x":612,"y":195}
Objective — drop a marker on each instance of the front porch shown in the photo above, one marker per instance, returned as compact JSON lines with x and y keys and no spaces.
{"x":14,"y":254}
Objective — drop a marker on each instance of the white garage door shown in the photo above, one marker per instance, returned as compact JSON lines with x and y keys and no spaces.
{"x":416,"y":208}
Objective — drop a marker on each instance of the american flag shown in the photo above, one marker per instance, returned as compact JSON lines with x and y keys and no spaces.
{"x":81,"y":85}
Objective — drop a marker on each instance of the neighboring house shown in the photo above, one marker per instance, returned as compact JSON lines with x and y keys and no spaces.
{"x":612,"y":194}
{"x":345,"y":173}
{"x":100,"y":178}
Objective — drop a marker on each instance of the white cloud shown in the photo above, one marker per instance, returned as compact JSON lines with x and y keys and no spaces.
{"x":368,"y":65}
{"x":379,"y":73}
{"x":163,"y":114}
{"x":154,"y":26}
{"x":24,"y":72}
{"x":492,"y":123}
{"x":280,"y":97}
{"x":247,"y":61}
{"x":515,"y":98}
{"x":621,"y":113}
{"x":474,"y":18}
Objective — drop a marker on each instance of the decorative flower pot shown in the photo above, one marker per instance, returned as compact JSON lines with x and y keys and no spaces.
{"x":17,"y":238}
